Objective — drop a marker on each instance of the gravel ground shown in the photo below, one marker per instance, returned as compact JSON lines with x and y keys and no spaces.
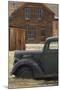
{"x":22,"y":83}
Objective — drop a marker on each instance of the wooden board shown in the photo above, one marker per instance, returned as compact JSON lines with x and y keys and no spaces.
{"x":11,"y":39}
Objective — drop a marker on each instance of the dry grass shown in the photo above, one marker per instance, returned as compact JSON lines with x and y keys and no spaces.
{"x":22,"y":83}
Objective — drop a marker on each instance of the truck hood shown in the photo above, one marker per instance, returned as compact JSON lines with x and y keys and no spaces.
{"x":19,"y":53}
{"x":28,"y":52}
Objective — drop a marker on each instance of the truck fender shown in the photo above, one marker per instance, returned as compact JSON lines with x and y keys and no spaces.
{"x":37,"y":71}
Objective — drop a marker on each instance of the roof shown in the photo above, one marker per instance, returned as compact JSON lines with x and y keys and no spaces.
{"x":53,"y":8}
{"x":15,"y":5}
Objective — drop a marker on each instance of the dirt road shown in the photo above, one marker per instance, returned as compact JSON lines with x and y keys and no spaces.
{"x":22,"y":83}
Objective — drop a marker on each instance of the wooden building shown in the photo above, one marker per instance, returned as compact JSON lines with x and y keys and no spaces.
{"x":30,"y":23}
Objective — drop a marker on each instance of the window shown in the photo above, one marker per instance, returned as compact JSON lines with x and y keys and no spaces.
{"x":39,"y":13}
{"x":14,"y":5}
{"x":53,"y":45}
{"x":31,"y":32}
{"x":27,"y":13}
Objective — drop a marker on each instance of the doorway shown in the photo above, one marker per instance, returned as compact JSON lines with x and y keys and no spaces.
{"x":16,"y":39}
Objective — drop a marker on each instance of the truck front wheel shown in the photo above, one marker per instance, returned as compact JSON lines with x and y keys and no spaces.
{"x":24,"y":72}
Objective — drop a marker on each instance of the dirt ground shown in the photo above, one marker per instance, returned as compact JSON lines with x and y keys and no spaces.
{"x":22,"y":83}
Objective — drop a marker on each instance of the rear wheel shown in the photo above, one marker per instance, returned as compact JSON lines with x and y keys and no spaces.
{"x":24,"y":72}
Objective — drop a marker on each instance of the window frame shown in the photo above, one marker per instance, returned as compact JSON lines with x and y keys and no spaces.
{"x":39,"y":13}
{"x":30,"y":33}
{"x":27,"y":13}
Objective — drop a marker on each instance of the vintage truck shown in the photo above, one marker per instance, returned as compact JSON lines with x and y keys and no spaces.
{"x":37,"y":64}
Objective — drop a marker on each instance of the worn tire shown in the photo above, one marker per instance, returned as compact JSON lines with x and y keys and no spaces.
{"x":24,"y":72}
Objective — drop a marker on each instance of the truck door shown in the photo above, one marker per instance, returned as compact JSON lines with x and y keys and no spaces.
{"x":51,"y":58}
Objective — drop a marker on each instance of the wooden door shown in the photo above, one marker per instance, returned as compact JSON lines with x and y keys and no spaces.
{"x":16,"y":39}
{"x":11,"y":39}
{"x":20,"y":39}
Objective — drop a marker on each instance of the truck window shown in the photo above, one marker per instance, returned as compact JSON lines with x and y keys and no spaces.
{"x":53,"y":45}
